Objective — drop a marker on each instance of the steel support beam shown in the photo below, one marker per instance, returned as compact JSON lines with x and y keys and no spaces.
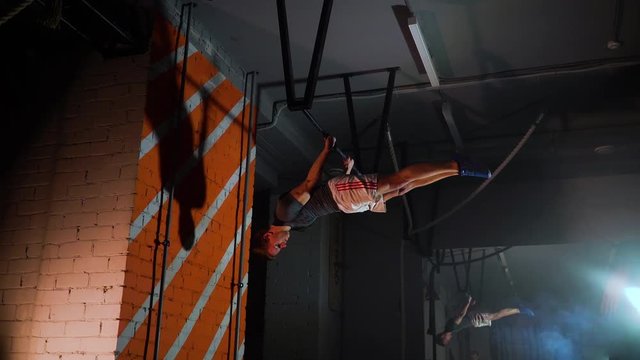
{"x":384,"y":123}
{"x":318,"y":48}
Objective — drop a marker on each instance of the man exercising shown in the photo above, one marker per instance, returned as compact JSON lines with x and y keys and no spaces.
{"x":348,"y":193}
{"x":462,"y":320}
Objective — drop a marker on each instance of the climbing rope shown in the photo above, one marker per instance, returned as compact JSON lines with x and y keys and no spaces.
{"x":13,"y":12}
{"x":354,"y":170}
{"x":498,"y":170}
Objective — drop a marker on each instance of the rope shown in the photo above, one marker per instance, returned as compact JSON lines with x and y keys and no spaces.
{"x":355,"y":171}
{"x":15,"y":11}
{"x":55,"y":14}
{"x":498,"y":170}
{"x":394,"y":159}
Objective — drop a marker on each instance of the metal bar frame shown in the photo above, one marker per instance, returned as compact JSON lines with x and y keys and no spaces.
{"x":384,"y":122}
{"x":245,"y":199}
{"x":495,"y":253}
{"x":455,"y":269}
{"x":447,"y":114}
{"x":271,"y":84}
{"x":467,"y":266}
{"x":617,"y":21}
{"x":318,"y":48}
{"x":352,"y":119}
{"x":166,"y":241}
{"x":484,"y":252}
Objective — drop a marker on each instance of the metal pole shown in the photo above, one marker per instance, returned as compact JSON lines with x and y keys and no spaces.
{"x":154,"y":263}
{"x":286,"y":53}
{"x":403,"y":312}
{"x":385,"y":117}
{"x":432,"y":312}
{"x":467,"y":266}
{"x":455,"y":269}
{"x":244,"y":212}
{"x":481,"y":275}
{"x":352,"y":119}
{"x":316,"y":59}
{"x":330,"y":77}
{"x":239,"y":195}
{"x":318,"y":49}
{"x":166,"y":241}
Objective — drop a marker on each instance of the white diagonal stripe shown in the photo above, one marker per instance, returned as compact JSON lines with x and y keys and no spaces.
{"x":154,"y":205}
{"x":171,"y":271}
{"x":225,"y":321}
{"x":241,"y":351}
{"x":204,"y":297}
{"x":168,"y":61}
{"x":151,"y":140}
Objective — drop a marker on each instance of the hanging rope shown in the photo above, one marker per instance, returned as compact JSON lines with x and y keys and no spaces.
{"x":498,"y":170}
{"x":13,"y":12}
{"x":396,"y":168}
{"x":54,"y":16}
{"x":324,"y":133}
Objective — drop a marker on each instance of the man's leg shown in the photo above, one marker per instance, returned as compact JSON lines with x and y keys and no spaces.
{"x":503,"y":313}
{"x":414,"y":176}
{"x":410,"y":186}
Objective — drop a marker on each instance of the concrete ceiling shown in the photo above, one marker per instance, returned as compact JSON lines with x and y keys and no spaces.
{"x":500,"y":63}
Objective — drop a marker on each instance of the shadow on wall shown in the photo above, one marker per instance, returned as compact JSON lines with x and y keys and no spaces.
{"x":181,"y":157}
{"x":165,"y":106}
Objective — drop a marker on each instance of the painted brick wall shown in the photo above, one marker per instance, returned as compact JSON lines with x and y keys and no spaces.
{"x":83,"y":209}
{"x":205,"y":156}
{"x":66,"y":215}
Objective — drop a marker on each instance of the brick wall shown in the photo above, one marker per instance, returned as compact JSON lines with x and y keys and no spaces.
{"x":84,"y":207}
{"x":67,"y":209}
{"x":205,"y":157}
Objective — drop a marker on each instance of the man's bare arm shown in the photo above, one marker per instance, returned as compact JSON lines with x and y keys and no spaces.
{"x":302,"y":192}
{"x":464,"y":310}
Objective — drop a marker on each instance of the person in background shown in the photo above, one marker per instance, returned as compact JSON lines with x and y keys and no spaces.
{"x":463,"y":320}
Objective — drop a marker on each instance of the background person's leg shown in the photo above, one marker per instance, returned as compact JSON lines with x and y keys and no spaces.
{"x":503,"y":313}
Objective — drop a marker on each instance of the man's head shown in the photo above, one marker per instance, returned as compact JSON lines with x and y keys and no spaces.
{"x":475,"y":355}
{"x":269,"y":242}
{"x":444,"y":338}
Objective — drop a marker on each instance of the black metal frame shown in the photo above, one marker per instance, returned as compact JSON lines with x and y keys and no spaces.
{"x":617,"y":21}
{"x":350,"y":107}
{"x":353,"y":128}
{"x":384,"y":122}
{"x":312,"y":79}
